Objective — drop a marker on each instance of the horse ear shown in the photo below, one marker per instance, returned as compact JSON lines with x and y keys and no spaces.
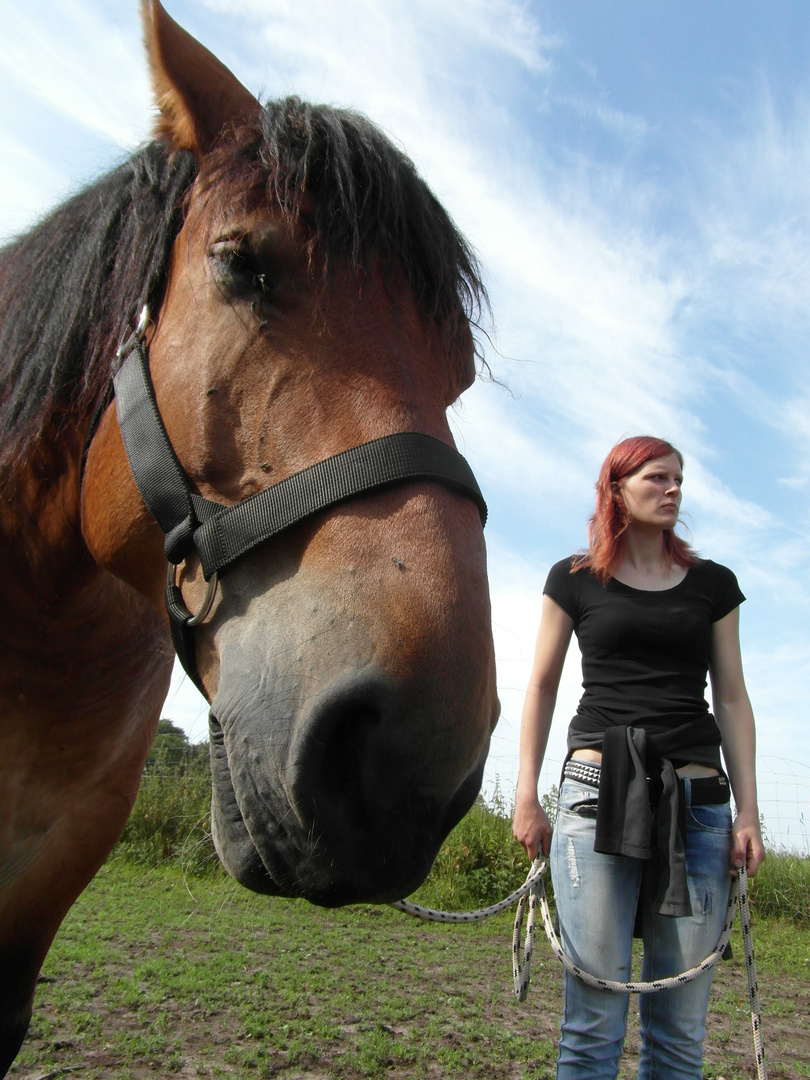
{"x":195,"y":93}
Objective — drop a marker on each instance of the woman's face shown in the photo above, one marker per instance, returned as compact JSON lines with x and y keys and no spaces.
{"x":652,"y":494}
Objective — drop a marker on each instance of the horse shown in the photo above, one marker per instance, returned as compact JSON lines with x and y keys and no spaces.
{"x":226,"y":367}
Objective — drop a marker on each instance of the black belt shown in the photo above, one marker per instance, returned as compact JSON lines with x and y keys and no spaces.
{"x":704,"y":790}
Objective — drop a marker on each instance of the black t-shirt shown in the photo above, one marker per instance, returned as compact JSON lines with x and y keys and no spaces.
{"x":645,"y":655}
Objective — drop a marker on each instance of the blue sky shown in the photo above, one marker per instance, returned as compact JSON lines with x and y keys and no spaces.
{"x":634,"y":177}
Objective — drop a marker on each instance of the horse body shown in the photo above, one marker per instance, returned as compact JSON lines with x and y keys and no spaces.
{"x":86,"y":666}
{"x":348,"y":661}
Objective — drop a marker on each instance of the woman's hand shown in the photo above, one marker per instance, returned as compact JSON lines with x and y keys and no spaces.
{"x":746,"y":844}
{"x":531,"y":827}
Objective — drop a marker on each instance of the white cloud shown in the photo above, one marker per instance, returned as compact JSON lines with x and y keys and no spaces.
{"x":606,"y":322}
{"x":27,"y":183}
{"x":371,"y":32}
{"x":185,"y":706}
{"x":517,"y":590}
{"x":72,"y":58}
{"x":634,"y":128}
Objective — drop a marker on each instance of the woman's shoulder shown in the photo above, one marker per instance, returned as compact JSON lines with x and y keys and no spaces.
{"x":572,"y":569}
{"x":712,"y":571}
{"x":562,"y":585}
{"x":719,"y":582}
{"x":563,"y":566}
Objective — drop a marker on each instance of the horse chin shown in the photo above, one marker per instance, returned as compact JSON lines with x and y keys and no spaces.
{"x":328,"y":850}
{"x":378,"y":875}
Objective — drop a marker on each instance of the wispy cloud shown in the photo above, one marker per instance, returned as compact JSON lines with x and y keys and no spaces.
{"x":73,"y":58}
{"x":597,"y":112}
{"x":670,"y":299}
{"x":372,"y":31}
{"x":27,"y":183}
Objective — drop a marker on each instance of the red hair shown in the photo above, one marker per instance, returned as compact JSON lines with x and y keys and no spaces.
{"x":609,"y":522}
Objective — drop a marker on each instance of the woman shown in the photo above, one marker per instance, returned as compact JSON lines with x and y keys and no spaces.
{"x":643,"y":838}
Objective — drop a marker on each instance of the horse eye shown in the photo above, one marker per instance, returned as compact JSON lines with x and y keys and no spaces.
{"x":237,"y":271}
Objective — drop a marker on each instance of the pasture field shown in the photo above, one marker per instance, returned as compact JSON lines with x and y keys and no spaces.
{"x":157,"y":973}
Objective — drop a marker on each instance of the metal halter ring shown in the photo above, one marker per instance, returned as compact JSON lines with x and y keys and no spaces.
{"x":210,"y":593}
{"x":138,"y":334}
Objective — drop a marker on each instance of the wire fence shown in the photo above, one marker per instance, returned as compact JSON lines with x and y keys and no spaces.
{"x":784,"y":803}
{"x":783,"y":787}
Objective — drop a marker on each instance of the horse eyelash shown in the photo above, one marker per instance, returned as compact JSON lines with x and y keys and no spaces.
{"x":241,"y":261}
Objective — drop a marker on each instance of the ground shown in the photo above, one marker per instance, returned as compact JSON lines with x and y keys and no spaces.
{"x":155,"y":975}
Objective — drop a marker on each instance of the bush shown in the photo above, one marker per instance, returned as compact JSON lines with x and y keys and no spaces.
{"x":479,"y":863}
{"x":781,"y":888}
{"x":171,"y":818}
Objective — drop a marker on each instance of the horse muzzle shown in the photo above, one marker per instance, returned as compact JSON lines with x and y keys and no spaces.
{"x":348,"y":803}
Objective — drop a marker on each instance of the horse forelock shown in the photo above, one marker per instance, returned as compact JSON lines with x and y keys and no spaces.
{"x":361,"y":199}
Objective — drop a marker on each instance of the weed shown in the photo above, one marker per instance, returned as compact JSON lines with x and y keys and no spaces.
{"x":147,"y":976}
{"x":479,"y":863}
{"x":782,"y":887}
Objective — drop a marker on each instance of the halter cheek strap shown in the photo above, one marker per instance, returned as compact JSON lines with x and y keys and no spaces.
{"x":222,"y":534}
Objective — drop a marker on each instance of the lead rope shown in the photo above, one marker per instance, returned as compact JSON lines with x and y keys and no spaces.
{"x":534,"y":890}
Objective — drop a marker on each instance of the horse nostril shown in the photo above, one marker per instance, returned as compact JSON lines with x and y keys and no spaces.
{"x":338,"y":768}
{"x":375,"y":787}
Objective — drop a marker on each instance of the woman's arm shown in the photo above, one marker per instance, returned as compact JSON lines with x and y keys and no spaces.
{"x":735,"y":718}
{"x":531,"y":826}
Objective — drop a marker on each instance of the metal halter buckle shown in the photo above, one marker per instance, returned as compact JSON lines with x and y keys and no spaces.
{"x":210,"y":593}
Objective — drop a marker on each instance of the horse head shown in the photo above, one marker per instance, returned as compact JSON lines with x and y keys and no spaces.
{"x":317,"y":299}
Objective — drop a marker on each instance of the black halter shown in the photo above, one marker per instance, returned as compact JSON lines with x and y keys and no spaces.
{"x":221,"y":534}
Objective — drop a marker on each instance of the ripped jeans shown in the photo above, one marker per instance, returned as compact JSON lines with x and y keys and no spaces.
{"x":596,"y":897}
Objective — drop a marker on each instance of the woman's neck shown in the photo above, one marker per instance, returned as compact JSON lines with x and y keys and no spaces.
{"x":645,"y":564}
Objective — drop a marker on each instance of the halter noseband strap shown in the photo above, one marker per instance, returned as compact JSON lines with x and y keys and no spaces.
{"x":221,"y":534}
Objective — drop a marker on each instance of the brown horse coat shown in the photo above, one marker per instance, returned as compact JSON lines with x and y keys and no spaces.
{"x":348,"y":662}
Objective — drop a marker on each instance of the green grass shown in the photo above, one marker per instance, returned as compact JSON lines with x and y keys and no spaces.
{"x":157,"y":973}
{"x":166,"y":967}
{"x":271,"y":985}
{"x":781,"y":888}
{"x":479,"y":863}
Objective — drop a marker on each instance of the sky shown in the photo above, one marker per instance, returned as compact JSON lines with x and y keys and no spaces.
{"x":634,"y":179}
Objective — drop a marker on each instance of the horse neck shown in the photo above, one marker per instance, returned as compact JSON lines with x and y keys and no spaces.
{"x":39,"y":513}
{"x":67,"y":611}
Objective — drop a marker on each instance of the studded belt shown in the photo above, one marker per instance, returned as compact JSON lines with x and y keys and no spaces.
{"x":705,"y":790}
{"x":583,"y":771}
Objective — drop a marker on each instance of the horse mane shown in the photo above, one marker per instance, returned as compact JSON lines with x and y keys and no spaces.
{"x":72,"y":287}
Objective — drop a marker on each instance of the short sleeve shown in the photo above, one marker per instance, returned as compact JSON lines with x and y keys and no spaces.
{"x":728,"y":594}
{"x":561,"y":586}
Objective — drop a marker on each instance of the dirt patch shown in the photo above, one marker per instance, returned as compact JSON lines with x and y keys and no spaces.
{"x":200,"y":1039}
{"x":229,"y":985}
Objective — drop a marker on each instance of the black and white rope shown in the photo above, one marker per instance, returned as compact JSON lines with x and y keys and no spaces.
{"x":522,"y":972}
{"x":751,"y":975}
{"x":533,"y":891}
{"x":433,"y":915}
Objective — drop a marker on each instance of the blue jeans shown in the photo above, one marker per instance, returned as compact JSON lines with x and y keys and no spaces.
{"x":596,"y":898}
